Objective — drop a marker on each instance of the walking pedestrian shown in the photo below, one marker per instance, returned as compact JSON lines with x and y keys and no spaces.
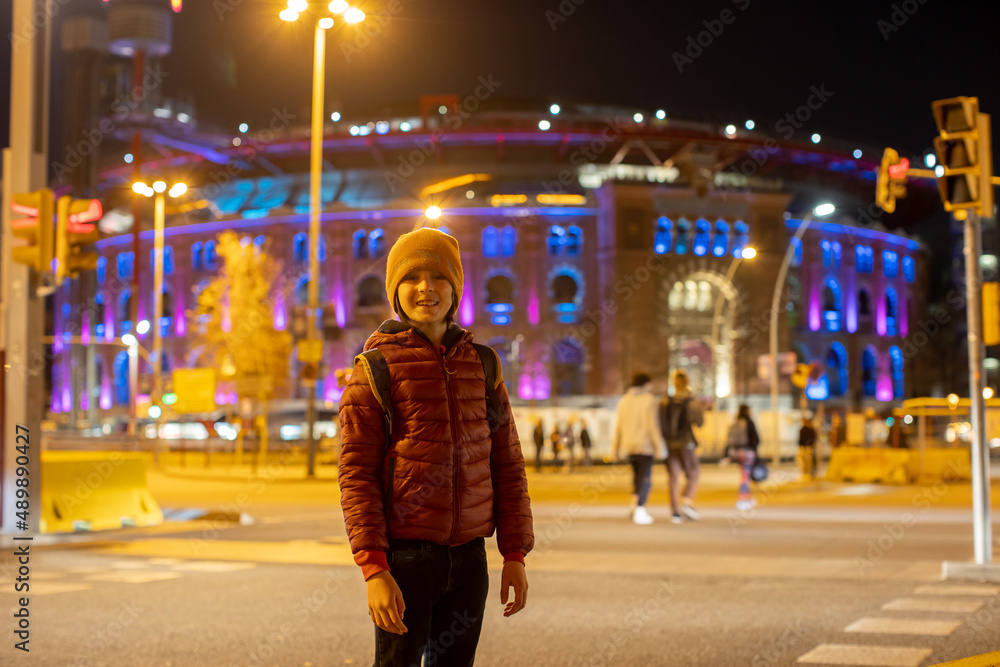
{"x":555,"y":440}
{"x":637,"y":435}
{"x":539,"y":438}
{"x":569,"y":444}
{"x":585,"y":444}
{"x":742,"y":441}
{"x":678,"y":415}
{"x":807,"y":447}
{"x":420,"y":498}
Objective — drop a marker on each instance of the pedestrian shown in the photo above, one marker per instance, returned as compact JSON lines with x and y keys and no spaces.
{"x":637,"y":435}
{"x":836,"y":430}
{"x":539,"y":438}
{"x":679,"y":414}
{"x":555,"y":440}
{"x":585,"y":444}
{"x":569,"y":444}
{"x":742,"y":441}
{"x":420,"y":501}
{"x":807,"y":447}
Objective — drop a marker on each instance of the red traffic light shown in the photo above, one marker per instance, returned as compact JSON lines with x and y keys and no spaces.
{"x":899,"y":170}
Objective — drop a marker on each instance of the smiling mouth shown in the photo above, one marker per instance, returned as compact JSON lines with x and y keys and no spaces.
{"x":427,"y":303}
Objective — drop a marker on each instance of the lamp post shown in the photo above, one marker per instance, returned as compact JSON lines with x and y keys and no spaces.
{"x":134,"y":350}
{"x":746,"y":253}
{"x":350,"y":15}
{"x":821,"y":210}
{"x":158,"y":191}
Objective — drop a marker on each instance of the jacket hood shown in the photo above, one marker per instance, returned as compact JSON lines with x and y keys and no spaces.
{"x":394,"y":332}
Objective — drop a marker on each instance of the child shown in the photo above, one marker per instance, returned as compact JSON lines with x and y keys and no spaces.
{"x":417,"y":513}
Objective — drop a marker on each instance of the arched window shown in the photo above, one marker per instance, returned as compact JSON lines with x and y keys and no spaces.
{"x":557,"y":239}
{"x":260,"y":241}
{"x":832,"y":305}
{"x":720,"y":244}
{"x":564,"y":289}
{"x":864,"y":303}
{"x":909,"y":269}
{"x":690,"y":295}
{"x":567,"y":367}
{"x":796,"y":244}
{"x":836,"y":369}
{"x":101,"y":314}
{"x":508,"y":241}
{"x":864,"y":259}
{"x":676,"y":297}
{"x":890,"y":263}
{"x":168,"y":260}
{"x":300,"y":248}
{"x":168,"y":308}
{"x":741,"y":234}
{"x":124,"y":314}
{"x":499,"y":289}
{"x":302,"y":291}
{"x":360,"y":244}
{"x":838,"y":254}
{"x":663,"y":239}
{"x":491,"y":242}
{"x":869,"y":374}
{"x":705,"y":301}
{"x":196,"y":263}
{"x":125,"y":261}
{"x":683,"y":237}
{"x":827,"y":252}
{"x":891,"y":312}
{"x":376,"y":243}
{"x":102,"y":270}
{"x":211,"y":259}
{"x":120,"y":368}
{"x":701,"y":238}
{"x":574,"y":241}
{"x":898,"y":377}
{"x":371,"y":292}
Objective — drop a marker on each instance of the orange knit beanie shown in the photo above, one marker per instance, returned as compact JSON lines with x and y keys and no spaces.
{"x":429,"y":249}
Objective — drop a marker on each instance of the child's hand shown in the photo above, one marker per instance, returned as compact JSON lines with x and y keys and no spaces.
{"x":385,"y":603}
{"x":513,"y":575}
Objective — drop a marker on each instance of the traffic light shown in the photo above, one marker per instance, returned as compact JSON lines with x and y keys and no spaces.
{"x":75,"y":227}
{"x":964,"y":153}
{"x":37,"y":229}
{"x":991,"y":313}
{"x":891,"y":183}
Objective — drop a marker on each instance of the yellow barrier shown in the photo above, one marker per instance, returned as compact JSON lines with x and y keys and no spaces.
{"x":898,"y":466}
{"x":95,"y":491}
{"x":861,"y":464}
{"x":985,"y":660}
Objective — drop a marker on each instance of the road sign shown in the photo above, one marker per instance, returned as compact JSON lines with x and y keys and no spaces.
{"x":195,"y":390}
{"x":310,"y":351}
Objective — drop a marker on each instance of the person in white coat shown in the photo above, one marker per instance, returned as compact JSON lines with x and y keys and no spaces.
{"x":638,"y":436}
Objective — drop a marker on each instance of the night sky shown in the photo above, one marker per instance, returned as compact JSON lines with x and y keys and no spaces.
{"x":882,"y":63}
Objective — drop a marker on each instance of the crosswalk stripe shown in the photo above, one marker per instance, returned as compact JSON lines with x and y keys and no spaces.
{"x":133,"y":577}
{"x":212,"y":566}
{"x":958,"y":589}
{"x":903,"y":626}
{"x":965,"y":606}
{"x":47,"y":588}
{"x":876,"y":656}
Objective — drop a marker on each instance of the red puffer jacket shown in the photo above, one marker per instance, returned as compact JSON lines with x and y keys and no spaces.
{"x":450,"y":480}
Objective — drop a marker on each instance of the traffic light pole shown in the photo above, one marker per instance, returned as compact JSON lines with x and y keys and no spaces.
{"x":982,"y":529}
{"x":25,"y":170}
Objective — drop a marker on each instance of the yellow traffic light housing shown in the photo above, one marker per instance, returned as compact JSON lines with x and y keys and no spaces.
{"x":891,"y":182}
{"x":76,"y":227}
{"x":964,"y":154}
{"x":37,"y":229}
{"x":991,"y":313}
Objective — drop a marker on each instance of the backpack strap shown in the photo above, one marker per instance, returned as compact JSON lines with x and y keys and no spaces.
{"x":494,"y":376}
{"x":377,"y":370}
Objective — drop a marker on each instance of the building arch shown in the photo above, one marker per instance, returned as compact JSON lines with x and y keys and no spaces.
{"x":837,"y":369}
{"x":121,"y":378}
{"x":869,"y":371}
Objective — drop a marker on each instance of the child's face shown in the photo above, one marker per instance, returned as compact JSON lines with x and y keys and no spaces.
{"x":426,"y":297}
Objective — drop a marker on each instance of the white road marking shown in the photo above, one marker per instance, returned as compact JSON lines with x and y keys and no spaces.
{"x":46,"y":588}
{"x":964,"y":606}
{"x":903,"y":626}
{"x":133,"y":577}
{"x":877,"y":656}
{"x":958,"y":589}
{"x":212,"y":566}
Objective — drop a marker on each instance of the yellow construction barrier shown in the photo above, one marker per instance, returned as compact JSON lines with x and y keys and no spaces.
{"x":95,"y":491}
{"x":945,"y":463}
{"x":861,"y":464}
{"x":986,"y":660}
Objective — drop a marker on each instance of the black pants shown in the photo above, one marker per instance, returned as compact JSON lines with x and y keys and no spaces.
{"x":444,"y":589}
{"x":642,"y":471}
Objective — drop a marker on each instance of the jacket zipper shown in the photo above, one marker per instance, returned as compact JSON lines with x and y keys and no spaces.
{"x":454,"y":441}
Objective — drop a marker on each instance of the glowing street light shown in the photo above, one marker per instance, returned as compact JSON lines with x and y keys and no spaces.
{"x":826,"y":208}
{"x":554,"y":109}
{"x":749,"y":252}
{"x":433,"y":212}
{"x":142,"y":327}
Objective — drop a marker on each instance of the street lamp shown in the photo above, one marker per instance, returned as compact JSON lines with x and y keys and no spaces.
{"x":158,"y":191}
{"x":746,"y":253}
{"x":823,"y":209}
{"x":350,"y":15}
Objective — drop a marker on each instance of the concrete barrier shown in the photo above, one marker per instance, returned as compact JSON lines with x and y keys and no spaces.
{"x":95,"y":491}
{"x":866,"y":465}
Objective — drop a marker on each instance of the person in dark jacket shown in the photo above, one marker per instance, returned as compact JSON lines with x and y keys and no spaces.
{"x":585,"y":444}
{"x":418,"y":508}
{"x":539,"y":437}
{"x":807,"y":447}
{"x":741,"y":446}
